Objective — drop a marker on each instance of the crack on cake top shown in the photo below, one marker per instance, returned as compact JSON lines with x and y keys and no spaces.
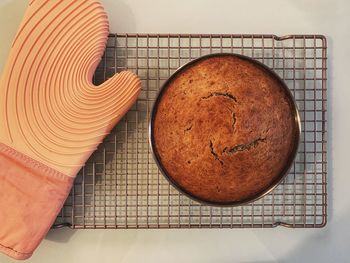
{"x":220,"y":94}
{"x":216,"y":156}
{"x":244,"y":147}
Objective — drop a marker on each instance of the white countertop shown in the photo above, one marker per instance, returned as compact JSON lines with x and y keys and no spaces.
{"x":330,"y":244}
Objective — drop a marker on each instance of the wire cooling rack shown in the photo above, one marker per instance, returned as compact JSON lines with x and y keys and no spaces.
{"x":121,"y":186}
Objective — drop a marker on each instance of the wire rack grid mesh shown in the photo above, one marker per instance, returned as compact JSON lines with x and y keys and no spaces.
{"x":121,"y":187}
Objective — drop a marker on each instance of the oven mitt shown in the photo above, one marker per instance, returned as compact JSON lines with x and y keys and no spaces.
{"x":52,"y":116}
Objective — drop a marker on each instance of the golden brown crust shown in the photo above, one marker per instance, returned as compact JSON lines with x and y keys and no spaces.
{"x":224,"y":129}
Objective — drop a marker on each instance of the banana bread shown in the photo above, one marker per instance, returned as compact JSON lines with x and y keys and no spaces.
{"x":224,"y":129}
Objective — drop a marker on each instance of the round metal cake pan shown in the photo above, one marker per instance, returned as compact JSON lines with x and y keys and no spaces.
{"x":278,"y":178}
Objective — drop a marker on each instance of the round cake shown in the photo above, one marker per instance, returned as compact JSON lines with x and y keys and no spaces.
{"x":224,"y":129}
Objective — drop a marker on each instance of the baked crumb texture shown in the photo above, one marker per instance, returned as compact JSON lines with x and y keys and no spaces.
{"x":224,"y":129}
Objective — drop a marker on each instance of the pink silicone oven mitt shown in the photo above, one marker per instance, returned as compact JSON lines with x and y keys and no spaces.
{"x":52,"y":116}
